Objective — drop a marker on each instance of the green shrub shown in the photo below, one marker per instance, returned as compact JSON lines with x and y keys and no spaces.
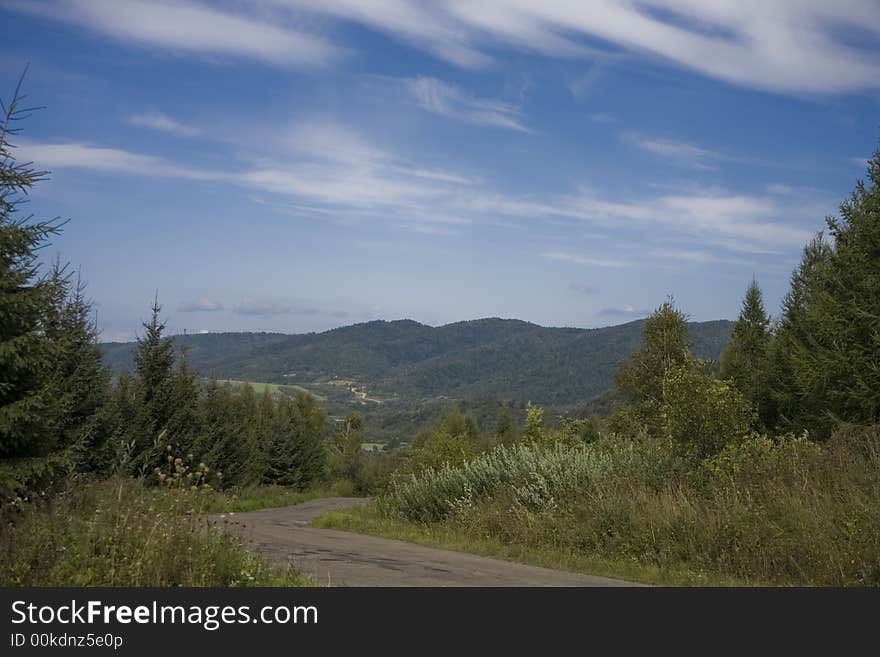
{"x":534,"y":476}
{"x":702,"y":414}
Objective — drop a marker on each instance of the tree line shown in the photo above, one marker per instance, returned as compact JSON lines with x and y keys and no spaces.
{"x":63,"y":412}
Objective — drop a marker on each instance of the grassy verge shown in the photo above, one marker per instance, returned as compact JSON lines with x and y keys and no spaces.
{"x":254,"y":498}
{"x":369,"y":520}
{"x":783,"y":511}
{"x":120,"y":533}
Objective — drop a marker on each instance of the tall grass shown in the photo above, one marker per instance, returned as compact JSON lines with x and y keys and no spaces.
{"x":121,"y":533}
{"x":785,"y":511}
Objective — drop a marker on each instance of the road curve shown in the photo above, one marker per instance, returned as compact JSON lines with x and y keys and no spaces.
{"x":338,"y":558}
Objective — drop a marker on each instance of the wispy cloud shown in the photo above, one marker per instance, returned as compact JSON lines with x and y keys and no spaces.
{"x":859,"y":161}
{"x":427,"y":26}
{"x":269,"y":308}
{"x":587,"y":260}
{"x":780,"y":189}
{"x":584,"y":288}
{"x":452,"y":102}
{"x":697,"y":257}
{"x":630,"y":312}
{"x":601,"y":117}
{"x":344,"y":175}
{"x":201,"y":304}
{"x":190,"y":27}
{"x":679,"y":152}
{"x":788,"y":46}
{"x":163,"y":123}
{"x":109,"y":160}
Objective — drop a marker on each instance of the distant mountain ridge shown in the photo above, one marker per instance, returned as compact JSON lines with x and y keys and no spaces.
{"x":405,"y":360}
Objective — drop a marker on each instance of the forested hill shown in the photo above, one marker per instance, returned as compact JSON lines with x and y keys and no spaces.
{"x":502,"y":358}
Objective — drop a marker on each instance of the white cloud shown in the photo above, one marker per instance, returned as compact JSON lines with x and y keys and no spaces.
{"x":750,"y":224}
{"x":584,"y":288}
{"x":423,"y":25}
{"x":789,"y":46}
{"x":109,"y":160}
{"x":323,"y":140}
{"x":190,"y":27}
{"x":587,"y":260}
{"x":678,"y":151}
{"x":860,"y":161}
{"x":163,"y":123}
{"x":201,"y":304}
{"x":630,"y":312}
{"x":334,"y":172}
{"x":780,"y":189}
{"x":697,"y":257}
{"x":268,"y":308}
{"x":428,"y":229}
{"x":601,"y":117}
{"x":447,"y":100}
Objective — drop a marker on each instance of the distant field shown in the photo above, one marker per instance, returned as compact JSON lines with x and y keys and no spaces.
{"x":274,"y":388}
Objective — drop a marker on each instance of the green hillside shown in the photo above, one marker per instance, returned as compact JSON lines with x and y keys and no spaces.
{"x":404,"y":361}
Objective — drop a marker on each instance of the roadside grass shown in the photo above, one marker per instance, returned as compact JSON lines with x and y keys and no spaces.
{"x":783,"y":511}
{"x":120,"y":533}
{"x":253,"y":498}
{"x":370,"y":520}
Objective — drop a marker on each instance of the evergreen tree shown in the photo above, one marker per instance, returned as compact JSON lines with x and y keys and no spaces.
{"x":298,"y":456}
{"x":78,"y":383}
{"x":183,"y":422}
{"x":154,"y":385}
{"x":265,"y":430}
{"x":832,"y":331}
{"x":26,"y":304}
{"x":34,"y":431}
{"x":119,"y":417}
{"x":744,"y":360}
{"x":792,"y":338}
{"x":222,"y":440}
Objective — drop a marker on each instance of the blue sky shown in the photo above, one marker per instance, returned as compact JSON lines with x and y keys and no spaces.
{"x":294,"y":165}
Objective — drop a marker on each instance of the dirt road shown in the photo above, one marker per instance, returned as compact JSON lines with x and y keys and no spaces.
{"x":338,"y":558}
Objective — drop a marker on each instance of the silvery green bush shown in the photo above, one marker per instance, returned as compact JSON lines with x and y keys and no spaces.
{"x":535,"y":477}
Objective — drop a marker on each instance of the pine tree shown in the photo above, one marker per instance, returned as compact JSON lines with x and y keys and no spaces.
{"x":831,"y":334}
{"x":789,"y":395}
{"x":265,"y":429}
{"x":79,"y":382}
{"x":298,"y":455}
{"x":744,"y":360}
{"x":154,"y":385}
{"x":26,"y":304}
{"x":221,"y":442}
{"x":119,"y":417}
{"x":183,"y":422}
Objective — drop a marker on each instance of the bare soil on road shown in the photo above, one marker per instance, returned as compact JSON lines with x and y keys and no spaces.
{"x":338,"y":558}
